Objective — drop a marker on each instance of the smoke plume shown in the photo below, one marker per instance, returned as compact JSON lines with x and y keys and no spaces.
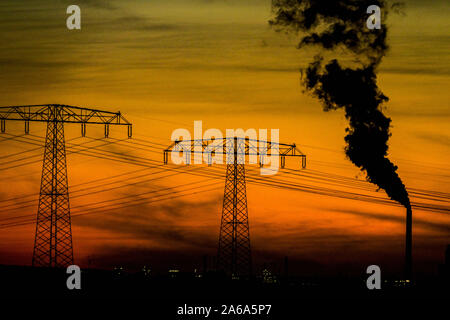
{"x":348,"y":80}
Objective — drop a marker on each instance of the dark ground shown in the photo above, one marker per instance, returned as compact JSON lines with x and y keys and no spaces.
{"x":165,"y":293}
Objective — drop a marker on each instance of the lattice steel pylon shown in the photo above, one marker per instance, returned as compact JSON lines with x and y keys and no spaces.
{"x":234,"y":251}
{"x":53,"y":238}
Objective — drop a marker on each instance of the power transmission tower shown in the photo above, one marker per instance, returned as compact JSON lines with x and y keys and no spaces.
{"x":234,"y":254}
{"x":53,"y":239}
{"x":234,"y":250}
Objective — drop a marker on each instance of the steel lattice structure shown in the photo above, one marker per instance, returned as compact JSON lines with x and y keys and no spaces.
{"x":234,"y":251}
{"x":53,"y":239}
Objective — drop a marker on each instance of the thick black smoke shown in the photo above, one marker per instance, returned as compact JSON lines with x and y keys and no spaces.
{"x":339,"y":27}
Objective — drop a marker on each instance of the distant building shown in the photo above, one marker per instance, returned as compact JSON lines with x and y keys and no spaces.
{"x":268,"y":277}
{"x":174,"y":273}
{"x":118,"y":272}
{"x":147,"y":271}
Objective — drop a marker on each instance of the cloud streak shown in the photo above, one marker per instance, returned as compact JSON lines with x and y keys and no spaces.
{"x":434,"y":226}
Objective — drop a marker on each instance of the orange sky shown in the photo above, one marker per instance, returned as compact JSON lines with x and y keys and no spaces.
{"x":166,"y":64}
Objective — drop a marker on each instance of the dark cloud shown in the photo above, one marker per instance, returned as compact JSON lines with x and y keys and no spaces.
{"x":408,"y":70}
{"x":437,"y":138}
{"x":99,"y":4}
{"x":164,"y":223}
{"x":138,"y":23}
{"x":23,"y":63}
{"x":423,"y":3}
{"x":435,"y":226}
{"x":160,"y":234}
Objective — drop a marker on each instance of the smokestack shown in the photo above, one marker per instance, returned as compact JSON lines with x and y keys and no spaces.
{"x":408,"y":244}
{"x":349,"y":82}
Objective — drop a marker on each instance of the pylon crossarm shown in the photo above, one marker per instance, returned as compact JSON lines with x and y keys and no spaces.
{"x":219,"y":146}
{"x":247,"y":147}
{"x":62,"y":113}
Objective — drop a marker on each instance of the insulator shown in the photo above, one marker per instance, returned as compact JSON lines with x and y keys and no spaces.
{"x":130,"y":131}
{"x":106,"y":130}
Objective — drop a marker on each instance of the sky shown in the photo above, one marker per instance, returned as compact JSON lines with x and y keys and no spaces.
{"x":164,"y":64}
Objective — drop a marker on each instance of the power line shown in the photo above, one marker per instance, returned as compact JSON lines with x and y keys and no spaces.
{"x":297,"y":187}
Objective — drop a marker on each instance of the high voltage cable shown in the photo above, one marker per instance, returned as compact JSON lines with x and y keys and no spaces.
{"x":331,"y":192}
{"x":40,"y":160}
{"x":116,"y":199}
{"x":149,"y":160}
{"x":99,"y":186}
{"x":11,"y":137}
{"x":145,"y":161}
{"x":109,"y":208}
{"x":80,"y":184}
{"x":10,"y":199}
{"x":31,"y":150}
{"x":363,"y":185}
{"x":348,"y":179}
{"x":127,"y":159}
{"x":349,"y":195}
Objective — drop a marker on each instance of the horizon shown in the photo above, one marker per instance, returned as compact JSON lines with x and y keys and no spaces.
{"x":165,"y":65}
